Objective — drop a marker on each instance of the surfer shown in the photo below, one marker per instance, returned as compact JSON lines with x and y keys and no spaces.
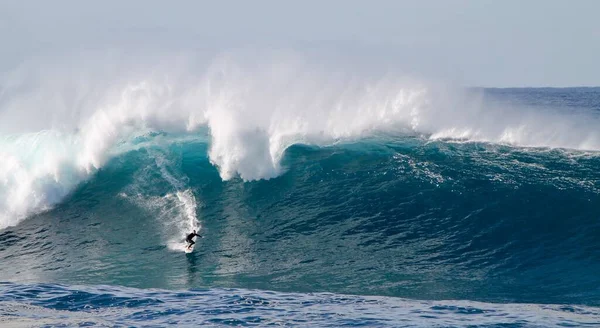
{"x":189,"y":239}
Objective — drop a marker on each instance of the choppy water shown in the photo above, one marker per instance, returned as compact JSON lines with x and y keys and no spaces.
{"x":460,"y":217}
{"x":55,"y":305}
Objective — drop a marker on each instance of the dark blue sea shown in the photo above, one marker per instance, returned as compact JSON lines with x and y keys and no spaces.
{"x":321,"y":204}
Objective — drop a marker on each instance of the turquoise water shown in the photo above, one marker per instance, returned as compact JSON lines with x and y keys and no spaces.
{"x":389,"y":229}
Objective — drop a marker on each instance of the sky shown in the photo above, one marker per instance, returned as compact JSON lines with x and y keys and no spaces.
{"x":470,"y":43}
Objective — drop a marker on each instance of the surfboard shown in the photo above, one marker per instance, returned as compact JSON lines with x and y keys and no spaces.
{"x":189,"y":249}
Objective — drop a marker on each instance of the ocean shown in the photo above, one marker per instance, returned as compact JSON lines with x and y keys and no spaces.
{"x":321,"y":202}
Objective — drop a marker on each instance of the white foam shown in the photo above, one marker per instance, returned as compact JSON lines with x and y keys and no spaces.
{"x":176,"y":210}
{"x":36,"y":171}
{"x":60,"y":118}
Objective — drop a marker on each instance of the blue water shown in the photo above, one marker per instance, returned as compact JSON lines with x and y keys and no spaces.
{"x":49,"y":305}
{"x":389,"y":229}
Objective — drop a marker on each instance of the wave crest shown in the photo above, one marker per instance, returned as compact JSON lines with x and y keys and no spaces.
{"x":254,"y":105}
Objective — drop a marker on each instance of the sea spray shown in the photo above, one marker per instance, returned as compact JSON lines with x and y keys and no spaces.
{"x":254,"y":107}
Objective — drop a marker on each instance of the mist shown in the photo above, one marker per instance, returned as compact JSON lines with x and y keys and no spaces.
{"x":78,"y":81}
{"x":464,"y":43}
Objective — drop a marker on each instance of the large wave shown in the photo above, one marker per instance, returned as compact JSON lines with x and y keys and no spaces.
{"x":61,"y":118}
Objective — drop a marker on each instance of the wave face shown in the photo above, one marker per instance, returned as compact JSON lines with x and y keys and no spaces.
{"x":383,"y":216}
{"x":301,"y":180}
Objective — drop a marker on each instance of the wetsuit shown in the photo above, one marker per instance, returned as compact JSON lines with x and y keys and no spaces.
{"x":189,"y":237}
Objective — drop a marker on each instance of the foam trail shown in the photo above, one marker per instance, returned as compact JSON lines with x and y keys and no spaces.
{"x":187,"y":203}
{"x":255,"y":105}
{"x":184,"y":220}
{"x":175,"y":211}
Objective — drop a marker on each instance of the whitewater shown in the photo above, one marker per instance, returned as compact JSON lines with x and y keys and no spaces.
{"x":324,"y":191}
{"x":62,"y":123}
